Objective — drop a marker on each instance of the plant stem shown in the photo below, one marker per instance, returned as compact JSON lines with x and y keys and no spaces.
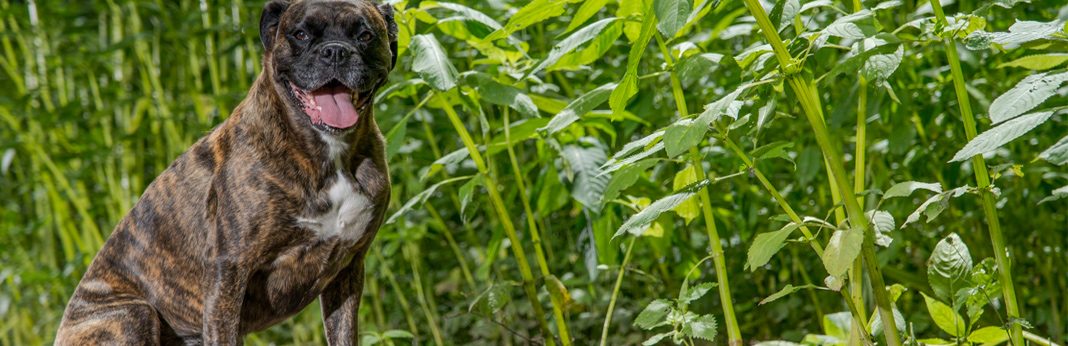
{"x":615,"y":293}
{"x":808,"y":96}
{"x":856,"y":273}
{"x":506,"y":221}
{"x":982,"y":180}
{"x":535,"y":236}
{"x":734,"y":334}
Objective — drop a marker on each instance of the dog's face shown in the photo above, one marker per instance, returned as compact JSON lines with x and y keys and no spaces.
{"x":328,"y":57}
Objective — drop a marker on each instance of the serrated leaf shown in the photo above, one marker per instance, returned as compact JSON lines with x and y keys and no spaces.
{"x":879,"y":67}
{"x":1056,"y":154}
{"x":689,"y":209}
{"x":671,"y":16}
{"x":653,"y":314}
{"x":841,"y":250}
{"x":855,"y":26}
{"x":637,"y":223}
{"x":703,"y":327}
{"x":581,"y":105}
{"x":687,"y":133}
{"x":431,"y":63}
{"x":904,"y":189}
{"x":1026,"y":31}
{"x":766,"y":245}
{"x":948,"y":267}
{"x":785,"y":291}
{"x":1025,"y":96}
{"x":944,"y":317}
{"x":996,"y":137}
{"x":571,"y":42}
{"x":696,"y":292}
{"x":1038,"y":62}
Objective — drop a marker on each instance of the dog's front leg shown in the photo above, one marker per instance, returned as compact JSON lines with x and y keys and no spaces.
{"x":341,"y":303}
{"x":222,"y":306}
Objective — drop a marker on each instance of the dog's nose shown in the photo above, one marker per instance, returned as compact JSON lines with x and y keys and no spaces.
{"x":334,"y":53}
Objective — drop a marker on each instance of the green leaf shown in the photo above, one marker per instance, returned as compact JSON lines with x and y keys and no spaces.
{"x":1025,"y":96}
{"x":622,"y":94}
{"x":944,"y":317}
{"x":703,"y":327}
{"x":785,"y":291}
{"x":398,"y":334}
{"x":858,"y":61}
{"x":655,"y":339}
{"x":628,"y":87}
{"x":421,"y":198}
{"x":671,"y":16}
{"x":532,"y":13}
{"x":784,"y":12}
{"x":466,"y":12}
{"x":1038,"y":62}
{"x":586,"y":56}
{"x":766,"y":245}
{"x":653,"y":314}
{"x":503,"y":95}
{"x":989,"y":336}
{"x":581,"y":105}
{"x":624,"y":178}
{"x":431,"y":63}
{"x":637,"y":223}
{"x":883,"y":223}
{"x":1056,"y":154}
{"x":996,"y":137}
{"x":948,"y":267}
{"x":1059,"y":193}
{"x":588,"y":9}
{"x":571,"y":42}
{"x":585,"y":163}
{"x":933,"y":206}
{"x":905,"y":189}
{"x":687,"y":133}
{"x":691,"y":294}
{"x":689,"y":209}
{"x":1026,"y":31}
{"x":841,"y":250}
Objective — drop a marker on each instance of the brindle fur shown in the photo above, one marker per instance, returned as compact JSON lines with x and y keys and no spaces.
{"x":212,"y":250}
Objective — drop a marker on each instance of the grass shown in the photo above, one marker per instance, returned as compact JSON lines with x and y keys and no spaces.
{"x":636,"y":151}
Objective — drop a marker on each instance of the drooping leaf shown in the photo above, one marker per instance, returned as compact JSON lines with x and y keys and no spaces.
{"x":1025,"y":96}
{"x":628,"y":87}
{"x":841,"y":250}
{"x":904,"y":189}
{"x":637,"y":223}
{"x":671,"y":15}
{"x":785,"y":291}
{"x":421,"y":197}
{"x":585,"y":163}
{"x":1038,"y":62}
{"x":624,"y":178}
{"x":431,"y":62}
{"x":1056,"y":154}
{"x":996,"y":137}
{"x":766,"y":245}
{"x":571,"y":42}
{"x":948,"y":267}
{"x":944,"y":317}
{"x":581,"y":105}
{"x":883,"y":223}
{"x":934,"y":206}
{"x":653,"y":314}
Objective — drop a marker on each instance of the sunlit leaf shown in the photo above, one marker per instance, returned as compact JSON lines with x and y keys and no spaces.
{"x":944,"y":317}
{"x":948,"y":267}
{"x":581,"y":105}
{"x":1025,"y":96}
{"x":671,"y":15}
{"x":904,"y":189}
{"x":571,"y":42}
{"x":1038,"y":62}
{"x":996,"y":137}
{"x":841,"y":250}
{"x":637,"y":223}
{"x":431,"y":62}
{"x":689,"y":209}
{"x":766,"y":245}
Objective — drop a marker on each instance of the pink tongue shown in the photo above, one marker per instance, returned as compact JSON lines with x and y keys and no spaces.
{"x":337,"y":109}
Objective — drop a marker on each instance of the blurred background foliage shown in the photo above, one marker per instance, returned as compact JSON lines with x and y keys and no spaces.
{"x":99,"y":96}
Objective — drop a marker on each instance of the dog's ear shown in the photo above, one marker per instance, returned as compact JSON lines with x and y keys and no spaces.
{"x":391,"y":29}
{"x":272,"y":14}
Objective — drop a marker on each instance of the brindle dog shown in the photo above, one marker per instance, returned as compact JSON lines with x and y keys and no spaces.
{"x":274,"y":208}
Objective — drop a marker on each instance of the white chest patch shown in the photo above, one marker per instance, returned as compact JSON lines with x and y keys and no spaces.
{"x":348,"y":216}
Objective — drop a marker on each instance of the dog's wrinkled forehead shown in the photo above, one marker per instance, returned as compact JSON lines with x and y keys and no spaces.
{"x":332,"y":14}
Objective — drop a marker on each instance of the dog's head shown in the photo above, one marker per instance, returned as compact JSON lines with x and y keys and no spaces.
{"x":328,"y":57}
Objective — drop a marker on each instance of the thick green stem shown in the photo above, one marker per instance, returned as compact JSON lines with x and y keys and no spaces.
{"x":615,"y":293}
{"x":734,"y":334}
{"x":506,"y":222}
{"x":982,"y":180}
{"x":856,"y":273}
{"x":535,"y":236}
{"x":810,"y":103}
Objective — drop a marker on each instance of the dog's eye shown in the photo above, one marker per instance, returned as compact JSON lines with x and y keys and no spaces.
{"x":365,"y":36}
{"x":300,"y":35}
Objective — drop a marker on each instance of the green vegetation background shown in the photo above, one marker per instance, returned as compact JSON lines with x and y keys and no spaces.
{"x":97,"y":97}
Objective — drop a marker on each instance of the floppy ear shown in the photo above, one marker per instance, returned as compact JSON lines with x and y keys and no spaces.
{"x":272,"y":14}
{"x":391,"y":28}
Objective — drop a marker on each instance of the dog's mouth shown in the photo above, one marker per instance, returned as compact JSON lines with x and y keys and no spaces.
{"x":333,"y":106}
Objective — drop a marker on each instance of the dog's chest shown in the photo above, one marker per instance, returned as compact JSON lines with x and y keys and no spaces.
{"x":347,"y":212}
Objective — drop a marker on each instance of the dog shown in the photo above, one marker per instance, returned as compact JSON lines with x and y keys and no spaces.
{"x":274,"y":208}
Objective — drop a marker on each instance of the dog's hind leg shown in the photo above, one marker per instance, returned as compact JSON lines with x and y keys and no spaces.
{"x":101,"y":317}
